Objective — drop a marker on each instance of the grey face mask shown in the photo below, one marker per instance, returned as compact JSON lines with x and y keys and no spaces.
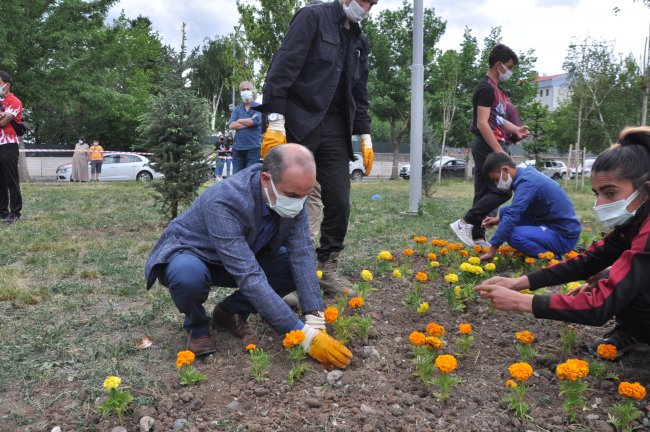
{"x":354,"y":11}
{"x":285,"y":206}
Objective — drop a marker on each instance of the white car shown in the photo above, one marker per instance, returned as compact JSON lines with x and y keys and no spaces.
{"x":552,"y":168}
{"x":357,"y":170}
{"x":117,"y":166}
{"x":586,"y":171}
{"x":405,"y":170}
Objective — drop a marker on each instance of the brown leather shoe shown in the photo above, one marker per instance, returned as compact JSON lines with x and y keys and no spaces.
{"x":232,"y":322}
{"x":202,"y":345}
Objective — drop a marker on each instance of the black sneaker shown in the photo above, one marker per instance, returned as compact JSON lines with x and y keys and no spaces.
{"x":12,"y":219}
{"x":620,"y":337}
{"x":4,"y":216}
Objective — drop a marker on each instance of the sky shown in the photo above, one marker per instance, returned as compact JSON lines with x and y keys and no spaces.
{"x":547,"y":26}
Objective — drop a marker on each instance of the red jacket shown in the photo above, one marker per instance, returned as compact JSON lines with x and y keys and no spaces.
{"x":627,"y":250}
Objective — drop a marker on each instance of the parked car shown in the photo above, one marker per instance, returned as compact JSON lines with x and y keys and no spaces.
{"x":357,"y":170}
{"x":553,"y":168}
{"x":405,"y":170}
{"x":117,"y":166}
{"x":587,"y":169}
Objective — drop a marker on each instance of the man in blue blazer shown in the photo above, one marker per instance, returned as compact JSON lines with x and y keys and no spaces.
{"x":250,"y":232}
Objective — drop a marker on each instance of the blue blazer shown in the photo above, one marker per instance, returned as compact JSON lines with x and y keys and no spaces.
{"x":220,"y":228}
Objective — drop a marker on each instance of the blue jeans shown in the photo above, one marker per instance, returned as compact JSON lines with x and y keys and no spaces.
{"x":218,"y":168}
{"x":189,"y":280}
{"x":242,"y":159}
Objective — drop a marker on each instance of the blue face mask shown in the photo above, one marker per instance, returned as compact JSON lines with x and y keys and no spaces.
{"x":246,"y":95}
{"x":285,"y":206}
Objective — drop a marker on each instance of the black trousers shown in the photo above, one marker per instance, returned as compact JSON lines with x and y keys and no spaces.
{"x":329,"y":144}
{"x":11,"y":202}
{"x":487,"y":197}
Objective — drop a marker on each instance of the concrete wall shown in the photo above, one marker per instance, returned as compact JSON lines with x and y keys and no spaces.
{"x":44,"y":168}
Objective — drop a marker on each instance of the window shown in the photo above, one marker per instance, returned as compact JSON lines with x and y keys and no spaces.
{"x":546,"y":92}
{"x":541,"y":93}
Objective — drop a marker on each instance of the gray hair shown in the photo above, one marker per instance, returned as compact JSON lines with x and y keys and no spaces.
{"x":279,"y":158}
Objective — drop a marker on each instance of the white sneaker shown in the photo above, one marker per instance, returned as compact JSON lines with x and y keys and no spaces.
{"x":482,"y":243}
{"x":463,"y":231}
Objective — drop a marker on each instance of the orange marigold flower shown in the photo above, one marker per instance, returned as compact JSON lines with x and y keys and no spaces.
{"x":293,"y":338}
{"x":417,"y":338}
{"x":632,"y":390}
{"x":464,"y":328}
{"x":184,"y":358}
{"x":431,"y":256}
{"x":520,"y":371}
{"x":607,"y":351}
{"x":421,"y":277}
{"x":442,"y":243}
{"x":446,"y":363}
{"x":529,"y":260}
{"x":463,"y":253}
{"x":477,"y":248}
{"x":355,"y":302}
{"x":443,"y":251}
{"x":331,"y":314}
{"x":571,"y":255}
{"x":420,"y":239}
{"x":408,"y":252}
{"x":510,"y":383}
{"x":572,"y":370}
{"x":435,"y":329}
{"x":553,"y":262}
{"x":525,"y":337}
{"x":251,"y":347}
{"x":455,"y":246}
{"x":434,"y":342}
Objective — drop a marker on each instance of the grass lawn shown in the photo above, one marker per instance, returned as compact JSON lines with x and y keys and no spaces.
{"x":72,"y":296}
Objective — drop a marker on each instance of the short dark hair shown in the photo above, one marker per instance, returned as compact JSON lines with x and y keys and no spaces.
{"x":502,"y":53}
{"x":495,"y":161}
{"x":5,"y":77}
{"x":274,"y":164}
{"x":629,"y":158}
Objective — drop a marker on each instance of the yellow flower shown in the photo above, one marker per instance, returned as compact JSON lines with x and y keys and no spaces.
{"x":510,"y":383}
{"x":417,"y":338}
{"x":293,"y":338}
{"x":632,"y":390}
{"x":490,"y":267}
{"x":434,"y":342}
{"x":366,"y":275}
{"x":526,"y":291}
{"x":607,"y":351}
{"x":434,"y":264}
{"x":571,"y":286}
{"x":446,"y":363}
{"x":331,"y":314}
{"x":421,"y":277}
{"x":408,"y":252}
{"x":474,"y":260}
{"x":397,"y":274}
{"x":431,"y":256}
{"x":251,"y":347}
{"x":520,"y":371}
{"x":451,"y":278}
{"x":457,"y":292}
{"x":319,"y":274}
{"x":464,"y":328}
{"x":529,"y":260}
{"x":355,"y":302}
{"x":111,"y":382}
{"x":525,"y":337}
{"x":424,"y":306}
{"x":435,"y":329}
{"x":385,"y":256}
{"x":184,"y":358}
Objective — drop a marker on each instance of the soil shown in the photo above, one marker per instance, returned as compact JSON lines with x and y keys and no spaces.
{"x":378,"y":391}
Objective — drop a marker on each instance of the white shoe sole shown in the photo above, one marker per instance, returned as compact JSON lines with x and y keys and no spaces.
{"x":454,"y":227}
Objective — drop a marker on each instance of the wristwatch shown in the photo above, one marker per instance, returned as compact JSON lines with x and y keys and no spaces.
{"x":275,"y":117}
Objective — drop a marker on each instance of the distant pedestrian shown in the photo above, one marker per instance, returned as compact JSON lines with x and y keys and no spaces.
{"x":96,"y":160}
{"x":80,"y":162}
{"x":247,"y":124}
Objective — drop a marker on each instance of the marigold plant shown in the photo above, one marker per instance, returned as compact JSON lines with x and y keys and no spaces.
{"x":385,"y":256}
{"x":433,"y":342}
{"x":632,"y":390}
{"x":607,"y":351}
{"x":571,"y":255}
{"x":477,"y":249}
{"x":251,"y":347}
{"x":440,"y":243}
{"x":431,"y":256}
{"x":622,"y":415}
{"x":424,"y":306}
{"x":553,"y":262}
{"x":408,"y":252}
{"x":111,"y":382}
{"x":464,"y":328}
{"x":529,"y":260}
{"x":366,"y":275}
{"x":443,"y":251}
{"x":319,"y":274}
{"x":455,"y":246}
{"x":417,"y":338}
{"x":434,"y":264}
{"x":525,"y":337}
{"x":510,"y":383}
{"x":463,"y":253}
{"x":331,"y":314}
{"x":293,"y":338}
{"x":435,"y":329}
{"x":490,"y":267}
{"x":571,"y":286}
{"x":446,"y":363}
{"x":474,"y":260}
{"x":570,"y":372}
{"x":520,"y":371}
{"x":451,"y":278}
{"x":355,"y":302}
{"x":421,"y":277}
{"x":420,"y":239}
{"x":184,"y":358}
{"x":117,"y":400}
{"x":397,"y":274}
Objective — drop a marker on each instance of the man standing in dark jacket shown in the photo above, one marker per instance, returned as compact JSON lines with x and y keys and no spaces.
{"x":316,"y":94}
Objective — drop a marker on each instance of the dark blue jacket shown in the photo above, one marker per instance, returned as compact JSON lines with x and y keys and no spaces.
{"x":306,"y":70}
{"x":540,"y":199}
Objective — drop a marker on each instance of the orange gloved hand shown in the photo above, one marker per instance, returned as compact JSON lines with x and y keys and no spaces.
{"x":275,"y":135}
{"x":368,"y":154}
{"x":325,"y":349}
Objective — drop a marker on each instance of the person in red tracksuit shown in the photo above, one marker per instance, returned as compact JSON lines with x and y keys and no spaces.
{"x":615,"y":267}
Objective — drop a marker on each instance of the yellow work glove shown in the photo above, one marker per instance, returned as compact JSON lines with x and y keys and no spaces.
{"x":325,"y":349}
{"x":368,"y":154}
{"x":274,"y":135}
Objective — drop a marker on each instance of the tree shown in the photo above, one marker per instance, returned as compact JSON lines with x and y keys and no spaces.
{"x":448,"y":64}
{"x":537,"y":119}
{"x":174,"y":130}
{"x":391,"y":39}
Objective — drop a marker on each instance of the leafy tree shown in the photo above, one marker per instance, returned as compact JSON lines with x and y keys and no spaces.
{"x":537,"y":119}
{"x":174,"y":130}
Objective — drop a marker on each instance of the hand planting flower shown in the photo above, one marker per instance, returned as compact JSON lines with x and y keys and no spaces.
{"x":607,"y":351}
{"x":435,"y":329}
{"x":188,"y":374}
{"x":570,"y":373}
{"x":117,"y":400}
{"x":331,"y":314}
{"x":520,"y":372}
{"x":445,"y":364}
{"x":623,"y":414}
{"x":366,"y":275}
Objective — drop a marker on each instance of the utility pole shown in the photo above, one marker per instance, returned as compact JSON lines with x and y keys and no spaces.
{"x":417,"y":107}
{"x":645,"y":80}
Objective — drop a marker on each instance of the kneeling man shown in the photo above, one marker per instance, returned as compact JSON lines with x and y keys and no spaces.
{"x":541,"y":216}
{"x":250,"y":232}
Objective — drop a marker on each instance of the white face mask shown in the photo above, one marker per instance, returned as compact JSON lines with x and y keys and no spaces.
{"x":615,"y":213}
{"x":505,"y":76}
{"x":354,"y":11}
{"x":285,"y":206}
{"x":504,"y":184}
{"x":246,"y":95}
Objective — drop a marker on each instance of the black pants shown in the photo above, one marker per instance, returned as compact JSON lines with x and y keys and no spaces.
{"x":487,"y":197}
{"x":11,"y":202}
{"x":329,"y":144}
